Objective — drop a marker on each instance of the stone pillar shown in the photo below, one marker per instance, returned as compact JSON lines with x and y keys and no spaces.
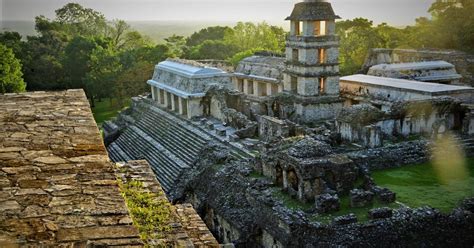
{"x":331,"y":27}
{"x":165,"y":99}
{"x":162,"y":96}
{"x":308,"y":86}
{"x":293,"y":27}
{"x":269,"y":89}
{"x":158,"y":95}
{"x":285,"y":179}
{"x":194,"y":107}
{"x":280,"y":88}
{"x":175,"y":101}
{"x":153,"y":96}
{"x":181,"y":106}
{"x":256,"y":90}
{"x":246,"y":86}
{"x":308,"y":28}
{"x":235,"y":81}
{"x":169,"y":98}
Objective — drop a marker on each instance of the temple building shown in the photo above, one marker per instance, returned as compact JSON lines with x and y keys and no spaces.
{"x":312,"y":56}
{"x":180,"y":85}
{"x":426,"y":71}
{"x":230,"y":141}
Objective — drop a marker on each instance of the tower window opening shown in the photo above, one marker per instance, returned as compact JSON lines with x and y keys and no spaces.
{"x":298,"y":27}
{"x":320,"y":28}
{"x":240,"y":84}
{"x":295,"y":55}
{"x":250,"y":87}
{"x":322,"y":85}
{"x":322,"y":55}
{"x":294,"y":84}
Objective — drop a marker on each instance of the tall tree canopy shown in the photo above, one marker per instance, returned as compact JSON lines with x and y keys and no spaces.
{"x":11,"y":80}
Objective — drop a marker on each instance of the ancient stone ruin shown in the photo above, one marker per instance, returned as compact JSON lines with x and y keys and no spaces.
{"x":58,"y":187}
{"x":266,"y":155}
{"x":242,"y":146}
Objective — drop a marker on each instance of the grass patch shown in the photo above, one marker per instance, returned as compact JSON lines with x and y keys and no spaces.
{"x":426,"y":184}
{"x":289,"y":202}
{"x":257,"y":175}
{"x":361,"y":213}
{"x":106,"y":110}
{"x":150,"y":212}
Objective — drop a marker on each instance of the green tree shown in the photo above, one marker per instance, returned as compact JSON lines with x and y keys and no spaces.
{"x":11,"y":77}
{"x":13,"y":41}
{"x":247,"y":36}
{"x":216,"y":33}
{"x":177,"y":45}
{"x":77,"y":20}
{"x":213,"y":49}
{"x":76,"y":62}
{"x":105,"y":67}
{"x":124,"y":37}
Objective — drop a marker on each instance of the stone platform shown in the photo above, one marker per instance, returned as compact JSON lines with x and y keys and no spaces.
{"x":57,"y":185}
{"x":187,"y":228}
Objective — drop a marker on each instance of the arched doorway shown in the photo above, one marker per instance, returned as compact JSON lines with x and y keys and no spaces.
{"x":293,"y":180}
{"x":279,"y":176}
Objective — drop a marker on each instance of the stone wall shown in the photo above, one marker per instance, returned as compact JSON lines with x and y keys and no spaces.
{"x":187,"y":228}
{"x":191,"y":85}
{"x":57,"y":185}
{"x":392,"y":156}
{"x":269,"y":127}
{"x":463,"y":62}
{"x":246,"y":212}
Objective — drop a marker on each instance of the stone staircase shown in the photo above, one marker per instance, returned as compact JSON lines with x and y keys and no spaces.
{"x":467,"y":143}
{"x":169,"y":144}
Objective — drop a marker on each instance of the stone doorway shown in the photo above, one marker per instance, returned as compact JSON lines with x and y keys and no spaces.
{"x":293,"y":180}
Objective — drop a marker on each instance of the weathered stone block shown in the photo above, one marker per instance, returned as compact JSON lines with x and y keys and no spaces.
{"x":210,"y":125}
{"x":221,"y":131}
{"x":361,"y":198}
{"x":327,"y":203}
{"x":385,"y":195}
{"x":380,"y":213}
{"x":234,"y":138}
{"x":345,"y":220}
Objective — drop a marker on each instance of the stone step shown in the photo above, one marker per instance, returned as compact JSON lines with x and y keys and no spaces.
{"x":138,"y":148}
{"x":174,"y":142}
{"x":176,"y":127}
{"x":172,"y":134}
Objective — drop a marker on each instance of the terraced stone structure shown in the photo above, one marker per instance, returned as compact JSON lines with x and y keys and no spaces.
{"x":186,"y":227}
{"x":57,"y":185}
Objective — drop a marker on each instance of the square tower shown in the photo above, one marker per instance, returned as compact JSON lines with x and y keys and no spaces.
{"x":312,"y":58}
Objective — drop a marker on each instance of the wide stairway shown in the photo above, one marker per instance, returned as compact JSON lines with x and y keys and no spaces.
{"x":169,"y":144}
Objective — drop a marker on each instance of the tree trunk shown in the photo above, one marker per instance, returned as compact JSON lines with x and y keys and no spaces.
{"x":92,"y":102}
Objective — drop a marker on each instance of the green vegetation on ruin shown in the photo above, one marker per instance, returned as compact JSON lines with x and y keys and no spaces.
{"x":106,"y":110}
{"x":422,"y":185}
{"x":150,"y":212}
{"x":416,"y":186}
{"x":291,"y":202}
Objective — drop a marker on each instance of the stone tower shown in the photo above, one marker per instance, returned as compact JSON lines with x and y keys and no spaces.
{"x":312,"y":54}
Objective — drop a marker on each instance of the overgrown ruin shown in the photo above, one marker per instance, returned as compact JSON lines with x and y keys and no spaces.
{"x":244,"y":146}
{"x":278,"y":152}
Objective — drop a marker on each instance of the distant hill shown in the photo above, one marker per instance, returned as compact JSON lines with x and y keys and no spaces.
{"x":159,"y":30}
{"x":25,"y":28}
{"x":156,"y":30}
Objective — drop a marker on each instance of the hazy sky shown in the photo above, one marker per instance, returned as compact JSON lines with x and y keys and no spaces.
{"x":395,"y":12}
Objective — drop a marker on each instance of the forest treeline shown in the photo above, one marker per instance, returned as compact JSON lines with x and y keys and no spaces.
{"x":79,"y":48}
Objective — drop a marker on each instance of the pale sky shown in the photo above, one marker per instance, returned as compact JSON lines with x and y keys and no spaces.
{"x":395,"y":12}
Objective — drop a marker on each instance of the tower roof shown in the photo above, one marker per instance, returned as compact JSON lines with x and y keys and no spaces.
{"x":313,"y":10}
